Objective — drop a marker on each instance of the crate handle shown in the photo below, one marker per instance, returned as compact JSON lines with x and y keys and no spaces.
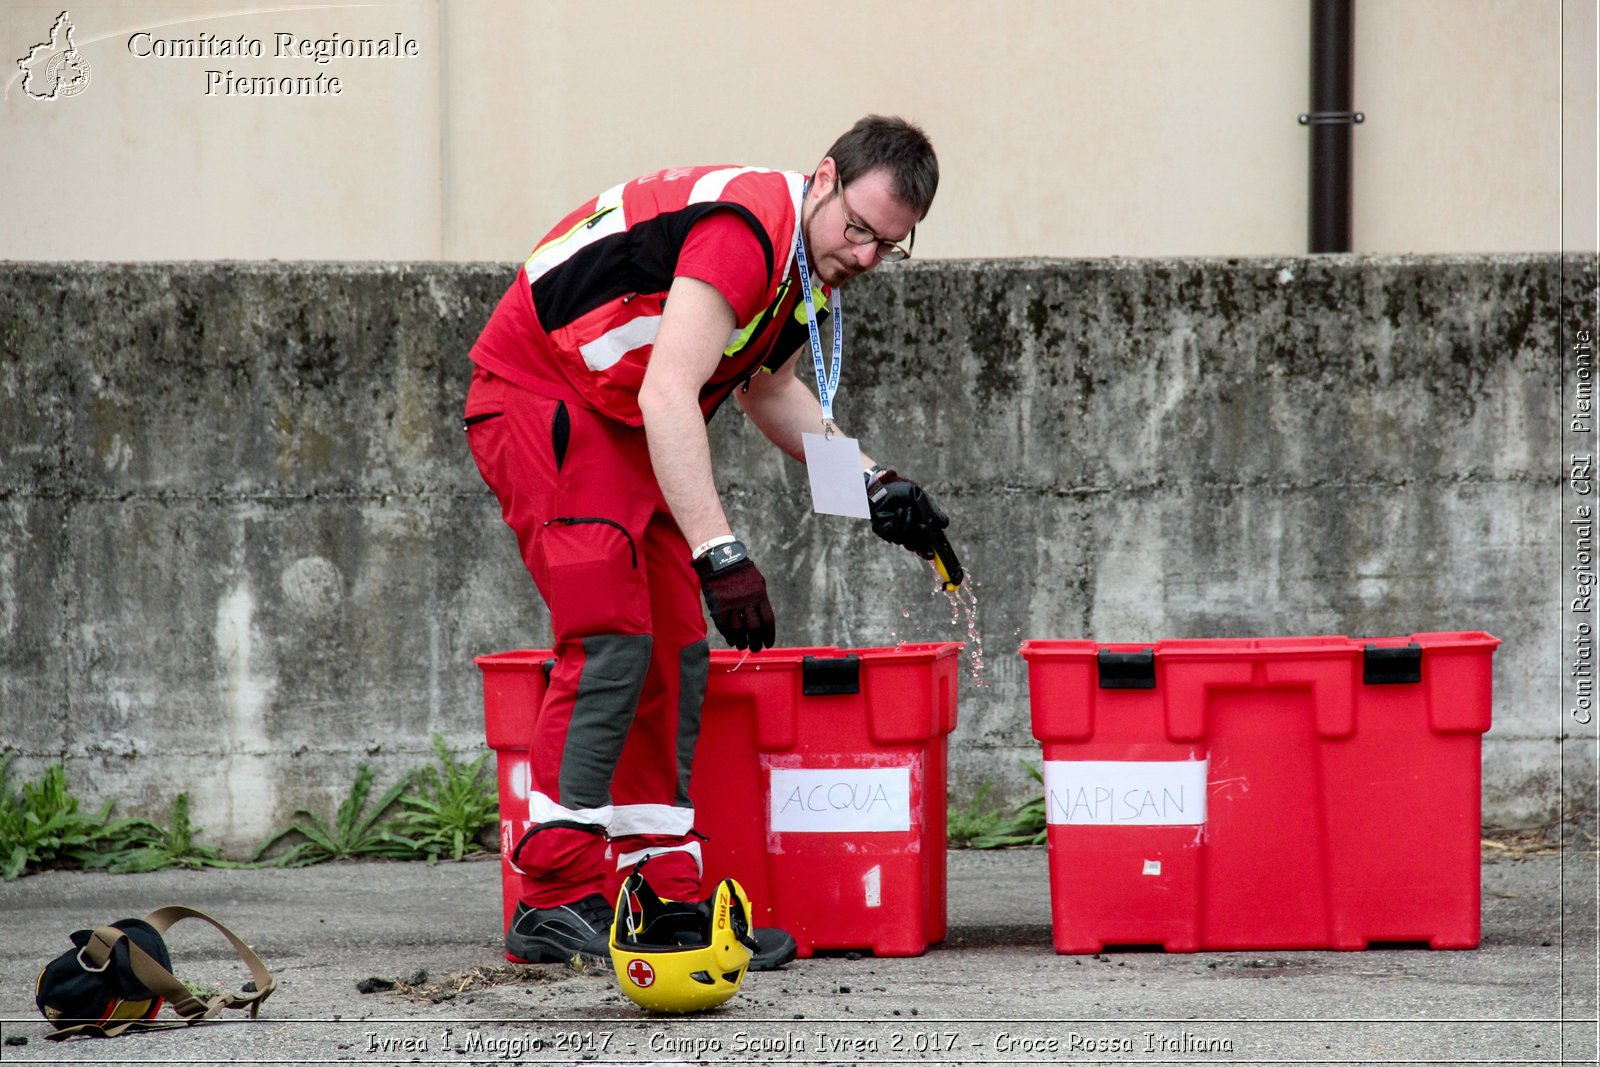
{"x":1392,"y":666}
{"x":830,"y":676}
{"x":1127,"y":670}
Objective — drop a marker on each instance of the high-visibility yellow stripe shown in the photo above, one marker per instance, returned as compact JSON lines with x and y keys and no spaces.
{"x":744,"y":336}
{"x":552,"y":254}
{"x":580,"y":224}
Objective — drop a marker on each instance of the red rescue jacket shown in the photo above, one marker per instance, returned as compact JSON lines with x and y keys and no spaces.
{"x":580,"y":320}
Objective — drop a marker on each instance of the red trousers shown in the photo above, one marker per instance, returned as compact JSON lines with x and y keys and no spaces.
{"x":615,"y":738}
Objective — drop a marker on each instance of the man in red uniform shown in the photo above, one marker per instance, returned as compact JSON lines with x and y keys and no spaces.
{"x":627,"y":327}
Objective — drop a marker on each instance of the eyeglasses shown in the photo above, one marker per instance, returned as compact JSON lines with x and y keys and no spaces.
{"x":857,"y":234}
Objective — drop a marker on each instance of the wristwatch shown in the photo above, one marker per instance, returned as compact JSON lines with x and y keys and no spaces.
{"x":720,"y":558}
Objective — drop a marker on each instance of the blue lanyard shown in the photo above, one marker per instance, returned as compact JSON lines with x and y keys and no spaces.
{"x":827,"y":385}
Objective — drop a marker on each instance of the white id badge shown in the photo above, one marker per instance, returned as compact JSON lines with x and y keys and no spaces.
{"x":834,"y":466}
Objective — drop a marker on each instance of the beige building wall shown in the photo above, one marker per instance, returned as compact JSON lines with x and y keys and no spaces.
{"x":142,"y":164}
{"x":1065,"y":127}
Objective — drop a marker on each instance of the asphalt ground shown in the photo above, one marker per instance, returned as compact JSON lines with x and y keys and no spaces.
{"x":994,"y":991}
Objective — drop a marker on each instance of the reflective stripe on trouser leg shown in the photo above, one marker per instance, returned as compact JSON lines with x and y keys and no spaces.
{"x":691,"y":848}
{"x":675,"y":866}
{"x":664,"y":832}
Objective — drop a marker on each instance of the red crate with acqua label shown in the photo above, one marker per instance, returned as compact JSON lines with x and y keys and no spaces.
{"x":1278,"y":793}
{"x":819,"y":782}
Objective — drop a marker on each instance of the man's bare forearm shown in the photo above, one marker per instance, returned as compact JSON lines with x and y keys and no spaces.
{"x":694,"y":326}
{"x":681,"y":455}
{"x":783,"y":408}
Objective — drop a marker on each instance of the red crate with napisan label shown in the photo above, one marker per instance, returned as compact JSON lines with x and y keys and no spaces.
{"x":1278,"y":793}
{"x":819,"y":782}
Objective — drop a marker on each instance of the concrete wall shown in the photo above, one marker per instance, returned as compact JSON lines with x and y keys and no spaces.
{"x":243,"y":546}
{"x":1081,"y":128}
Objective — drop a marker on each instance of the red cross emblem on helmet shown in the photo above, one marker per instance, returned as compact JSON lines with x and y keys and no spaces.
{"x":641,"y":973}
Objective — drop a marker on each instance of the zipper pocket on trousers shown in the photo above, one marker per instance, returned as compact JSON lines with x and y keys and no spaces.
{"x":587,"y":521}
{"x":560,"y":433}
{"x":472,"y":420}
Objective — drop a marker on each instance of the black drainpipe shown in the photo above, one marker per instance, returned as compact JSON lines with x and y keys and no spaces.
{"x":1331,"y":120}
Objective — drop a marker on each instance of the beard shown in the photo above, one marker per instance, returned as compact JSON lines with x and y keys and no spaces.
{"x":828,"y":270}
{"x":839,"y":274}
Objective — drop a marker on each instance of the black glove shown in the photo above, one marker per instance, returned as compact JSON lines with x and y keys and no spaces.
{"x":736,"y":597}
{"x":903,"y":513}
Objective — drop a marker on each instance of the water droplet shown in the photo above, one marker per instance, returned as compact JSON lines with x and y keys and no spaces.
{"x":965,"y":602}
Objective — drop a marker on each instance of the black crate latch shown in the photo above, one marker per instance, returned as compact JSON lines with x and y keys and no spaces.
{"x":1127,"y":670}
{"x":1392,"y":666}
{"x":830,"y":676}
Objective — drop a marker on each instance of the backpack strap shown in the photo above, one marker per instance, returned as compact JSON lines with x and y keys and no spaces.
{"x":194,"y":1008}
{"x":96,"y":955}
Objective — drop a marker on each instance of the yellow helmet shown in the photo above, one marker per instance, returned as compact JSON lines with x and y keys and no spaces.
{"x":673,"y":956}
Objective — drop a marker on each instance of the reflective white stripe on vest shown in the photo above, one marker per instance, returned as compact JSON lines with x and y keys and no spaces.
{"x":554,"y":253}
{"x":1125,"y":793}
{"x":650,"y":819}
{"x":542,"y":809}
{"x":797,"y":191}
{"x":604,"y":351}
{"x":710,"y":186}
{"x":628,"y":859}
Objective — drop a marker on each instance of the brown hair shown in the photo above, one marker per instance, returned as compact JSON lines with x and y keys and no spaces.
{"x":897,"y":145}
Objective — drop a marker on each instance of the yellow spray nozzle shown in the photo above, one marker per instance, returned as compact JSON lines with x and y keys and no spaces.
{"x":945,"y":563}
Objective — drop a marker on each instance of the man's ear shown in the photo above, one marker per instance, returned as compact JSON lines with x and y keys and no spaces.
{"x":826,"y":176}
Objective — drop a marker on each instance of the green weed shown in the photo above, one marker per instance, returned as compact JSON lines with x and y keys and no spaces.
{"x":447,"y":808}
{"x":976,"y":819}
{"x":41,"y":826}
{"x":451,"y":808}
{"x":203,"y":990}
{"x":1024,"y":826}
{"x":354,"y":833}
{"x":135,"y":846}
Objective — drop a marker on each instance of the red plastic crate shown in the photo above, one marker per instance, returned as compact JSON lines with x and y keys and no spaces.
{"x":819,"y":781}
{"x":1280,"y":793}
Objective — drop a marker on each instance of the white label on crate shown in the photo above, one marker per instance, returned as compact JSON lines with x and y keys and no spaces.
{"x":835,"y":800}
{"x":872,"y":883}
{"x":1118,"y":793}
{"x":1152,"y":867}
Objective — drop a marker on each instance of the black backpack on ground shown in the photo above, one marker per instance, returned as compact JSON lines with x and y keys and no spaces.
{"x":116,"y":977}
